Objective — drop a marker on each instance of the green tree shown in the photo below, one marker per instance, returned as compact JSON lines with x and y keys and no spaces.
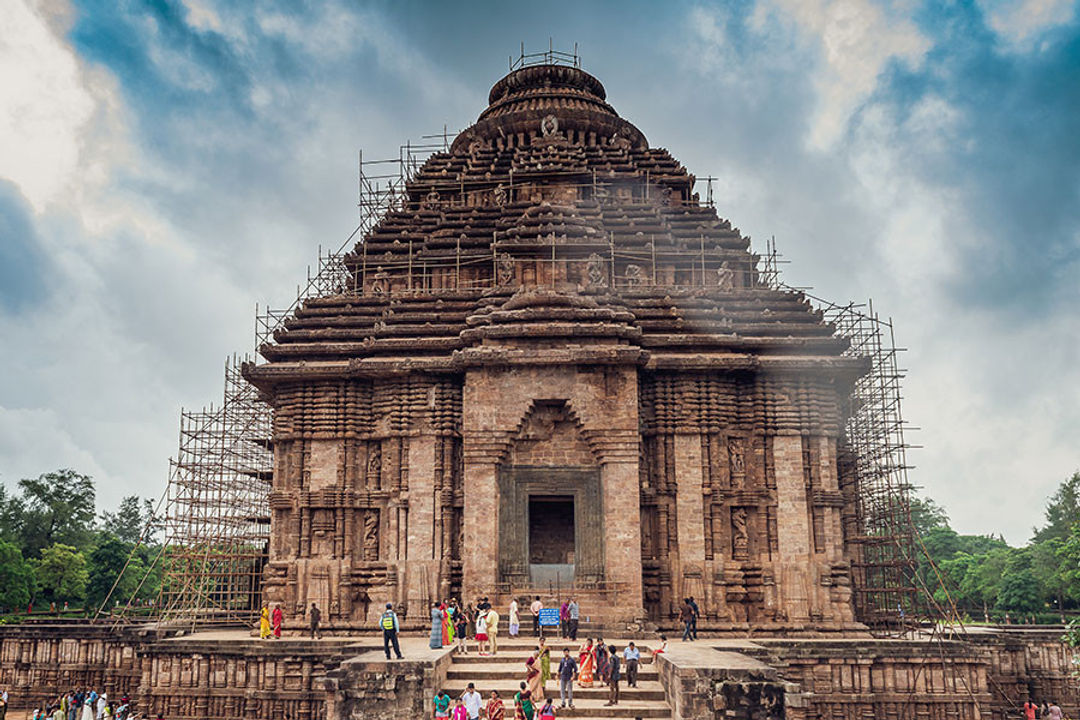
{"x":59,"y":508}
{"x":130,"y":520}
{"x":1062,"y":511}
{"x":1019,"y":592}
{"x":62,"y":574}
{"x":16,"y":578}
{"x":927,"y":515}
{"x":107,"y":563}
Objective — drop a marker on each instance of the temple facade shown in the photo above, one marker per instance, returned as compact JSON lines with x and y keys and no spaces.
{"x":554,"y":368}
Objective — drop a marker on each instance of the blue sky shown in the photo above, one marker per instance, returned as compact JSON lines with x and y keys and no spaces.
{"x":166,"y":165}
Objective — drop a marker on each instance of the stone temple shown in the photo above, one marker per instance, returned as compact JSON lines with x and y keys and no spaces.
{"x":549,"y":368}
{"x":557,"y":366}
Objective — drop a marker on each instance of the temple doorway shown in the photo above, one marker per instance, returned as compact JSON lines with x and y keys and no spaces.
{"x":551,"y":539}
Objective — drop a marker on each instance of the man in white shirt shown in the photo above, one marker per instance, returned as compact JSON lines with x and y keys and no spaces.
{"x":535,"y":608}
{"x":473,"y":702}
{"x":631,"y":656}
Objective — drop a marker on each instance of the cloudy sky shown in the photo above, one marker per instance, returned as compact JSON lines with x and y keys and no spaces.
{"x":166,"y":165}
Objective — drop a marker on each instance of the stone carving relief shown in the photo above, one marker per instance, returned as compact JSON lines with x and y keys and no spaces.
{"x":498,"y":195}
{"x":725,"y":277}
{"x":595,"y":270}
{"x":374,"y":467}
{"x":504,"y":270}
{"x":549,"y":126}
{"x":736,"y":462}
{"x":431,"y":201}
{"x":634,"y":275}
{"x":371,"y":535}
{"x":740,"y":539}
{"x":380,"y":285}
{"x":476,"y":147}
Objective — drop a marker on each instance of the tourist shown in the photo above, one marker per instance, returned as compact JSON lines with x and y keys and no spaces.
{"x":473,"y":702}
{"x":447,"y":625}
{"x":102,"y":701}
{"x":87,"y":711}
{"x":435,"y":642}
{"x":613,"y":676}
{"x":492,"y":629}
{"x":441,"y":705}
{"x":564,"y":620}
{"x":515,"y":623}
{"x":264,"y":623}
{"x":481,"y":633}
{"x":543,"y":655}
{"x":533,"y":679}
{"x":697,"y":613}
{"x":495,"y":710}
{"x":461,"y":630}
{"x":686,"y":616}
{"x":547,"y":712}
{"x":58,"y":712}
{"x":568,"y":672}
{"x":602,"y":666}
{"x":1055,"y":712}
{"x":459,"y":712}
{"x":586,"y":664}
{"x":662,"y":649}
{"x":575,"y":615}
{"x":535,"y":609}
{"x":523,"y":704}
{"x":1029,"y":709}
{"x":276,"y":618}
{"x":390,"y":629}
{"x":314,"y":614}
{"x":631,"y":656}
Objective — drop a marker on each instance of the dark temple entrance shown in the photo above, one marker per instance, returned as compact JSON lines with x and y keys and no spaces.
{"x":548,"y":533}
{"x":551,"y":539}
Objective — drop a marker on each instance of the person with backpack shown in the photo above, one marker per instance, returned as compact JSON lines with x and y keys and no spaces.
{"x":390,"y":627}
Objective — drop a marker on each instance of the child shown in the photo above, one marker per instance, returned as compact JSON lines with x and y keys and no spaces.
{"x":548,"y":711}
{"x":461,"y":622}
{"x":460,"y":713}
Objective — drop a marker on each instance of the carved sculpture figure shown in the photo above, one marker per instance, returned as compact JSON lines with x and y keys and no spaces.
{"x":740,"y":539}
{"x":595,"y":270}
{"x":725,"y":277}
{"x":634,"y":275}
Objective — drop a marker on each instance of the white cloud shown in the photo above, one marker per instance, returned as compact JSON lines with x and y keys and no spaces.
{"x":202,"y":17}
{"x":44,"y":107}
{"x":1020,"y":22}
{"x":28,"y":435}
{"x":856,"y":41}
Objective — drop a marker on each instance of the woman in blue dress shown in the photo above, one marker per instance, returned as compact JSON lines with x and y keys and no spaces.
{"x":436,"y":627}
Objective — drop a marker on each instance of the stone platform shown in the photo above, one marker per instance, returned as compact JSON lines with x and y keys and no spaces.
{"x":225,"y":674}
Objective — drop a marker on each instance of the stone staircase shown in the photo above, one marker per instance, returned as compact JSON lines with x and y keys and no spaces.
{"x":506,"y":670}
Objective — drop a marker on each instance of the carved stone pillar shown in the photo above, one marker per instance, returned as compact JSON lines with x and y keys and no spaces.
{"x":794,"y":563}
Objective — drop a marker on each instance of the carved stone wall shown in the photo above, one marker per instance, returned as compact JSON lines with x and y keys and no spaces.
{"x":363,"y":470}
{"x":741,"y":500}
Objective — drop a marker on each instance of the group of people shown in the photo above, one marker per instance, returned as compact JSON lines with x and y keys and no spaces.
{"x":82,"y":705}
{"x":689,"y":613}
{"x":270,"y":622}
{"x":451,"y":623}
{"x":1033,"y":710}
{"x":593,"y":662}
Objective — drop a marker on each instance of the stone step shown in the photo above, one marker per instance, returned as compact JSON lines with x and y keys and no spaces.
{"x":508,"y":671}
{"x":645,"y":691}
{"x":598,"y":708}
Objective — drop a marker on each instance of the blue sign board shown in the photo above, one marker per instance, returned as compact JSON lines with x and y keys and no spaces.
{"x":549,"y":617}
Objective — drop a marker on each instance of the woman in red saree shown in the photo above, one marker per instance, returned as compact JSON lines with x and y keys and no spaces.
{"x":495,"y":710}
{"x":586,"y":664}
{"x":276,"y":619}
